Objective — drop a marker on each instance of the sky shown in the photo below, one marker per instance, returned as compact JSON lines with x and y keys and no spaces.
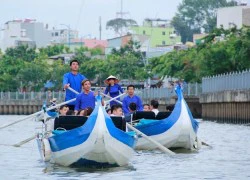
{"x":83,"y":15}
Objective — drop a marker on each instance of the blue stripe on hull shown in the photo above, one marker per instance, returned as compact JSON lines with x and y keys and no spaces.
{"x":117,"y":133}
{"x":75,"y":136}
{"x":79,"y":135}
{"x":195,"y":124}
{"x":161,"y":126}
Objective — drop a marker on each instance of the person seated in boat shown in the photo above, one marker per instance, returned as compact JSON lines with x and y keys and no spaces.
{"x":85,"y":99}
{"x":63,"y":110}
{"x":131,"y":98}
{"x":169,"y":108}
{"x":146,"y":107}
{"x":87,"y":111}
{"x":108,"y":111}
{"x":132,"y":108}
{"x":113,"y":88}
{"x":154,"y":104}
{"x":116,"y":110}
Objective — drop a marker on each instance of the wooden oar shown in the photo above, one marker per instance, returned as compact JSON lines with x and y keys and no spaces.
{"x":111,"y":98}
{"x":161,"y":147}
{"x":114,"y":98}
{"x":25,"y":141}
{"x":35,"y":114}
{"x":205,"y":144}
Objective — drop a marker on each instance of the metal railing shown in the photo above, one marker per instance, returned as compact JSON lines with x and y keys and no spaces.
{"x":230,"y":81}
{"x":145,"y":94}
{"x":32,"y":95}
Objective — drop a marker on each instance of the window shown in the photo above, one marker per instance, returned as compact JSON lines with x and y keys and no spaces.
{"x":163,"y":42}
{"x":163,"y":33}
{"x":143,"y":32}
{"x":56,"y":33}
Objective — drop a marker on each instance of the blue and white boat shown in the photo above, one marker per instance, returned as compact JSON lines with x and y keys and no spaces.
{"x":179,"y":130}
{"x":97,"y":142}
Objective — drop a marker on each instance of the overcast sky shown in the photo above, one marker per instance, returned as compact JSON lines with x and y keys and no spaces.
{"x":83,"y":15}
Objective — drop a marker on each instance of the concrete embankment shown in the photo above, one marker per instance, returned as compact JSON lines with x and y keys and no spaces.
{"x":20,"y":107}
{"x":226,"y":106}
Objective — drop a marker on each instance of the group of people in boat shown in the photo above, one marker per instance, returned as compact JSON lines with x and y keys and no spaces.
{"x":85,"y":99}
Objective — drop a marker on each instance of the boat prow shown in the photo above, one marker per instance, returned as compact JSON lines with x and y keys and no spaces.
{"x":179,"y":130}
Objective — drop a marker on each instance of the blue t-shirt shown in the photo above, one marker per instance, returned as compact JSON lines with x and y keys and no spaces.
{"x":127,"y":100}
{"x":85,"y":100}
{"x":113,"y":92}
{"x":75,"y":83}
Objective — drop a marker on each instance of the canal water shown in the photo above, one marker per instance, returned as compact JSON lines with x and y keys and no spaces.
{"x":229,"y":157}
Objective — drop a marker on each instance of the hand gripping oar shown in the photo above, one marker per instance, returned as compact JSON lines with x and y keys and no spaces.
{"x":161,"y":147}
{"x":37,"y":113}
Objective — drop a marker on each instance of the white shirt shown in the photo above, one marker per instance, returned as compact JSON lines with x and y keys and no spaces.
{"x":155,"y":111}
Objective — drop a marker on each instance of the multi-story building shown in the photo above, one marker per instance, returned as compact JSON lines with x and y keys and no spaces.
{"x":118,"y":42}
{"x":65,"y":36}
{"x":26,"y":31}
{"x":159,"y":31}
{"x":229,"y":17}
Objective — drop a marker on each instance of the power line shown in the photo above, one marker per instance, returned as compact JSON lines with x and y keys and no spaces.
{"x":79,"y":14}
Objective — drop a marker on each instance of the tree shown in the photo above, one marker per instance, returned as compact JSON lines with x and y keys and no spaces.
{"x":231,"y":53}
{"x":34,"y":75}
{"x":127,"y":62}
{"x":53,"y":50}
{"x":193,"y":16}
{"x":119,"y":24}
{"x":132,"y":47}
{"x":21,"y":52}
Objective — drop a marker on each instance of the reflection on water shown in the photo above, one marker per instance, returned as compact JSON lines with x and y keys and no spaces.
{"x":228,"y":159}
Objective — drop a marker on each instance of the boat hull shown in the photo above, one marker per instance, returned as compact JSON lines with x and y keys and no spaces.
{"x":179,"y":130}
{"x":98,"y":142}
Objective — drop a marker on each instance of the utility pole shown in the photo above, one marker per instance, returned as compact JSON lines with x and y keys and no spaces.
{"x":121,"y":13}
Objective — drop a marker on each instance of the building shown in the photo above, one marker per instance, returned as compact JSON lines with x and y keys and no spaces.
{"x":118,"y":42}
{"x":90,"y":43}
{"x":65,"y":58}
{"x":229,"y":17}
{"x":160,"y":32}
{"x":28,"y":31}
{"x":63,"y":36}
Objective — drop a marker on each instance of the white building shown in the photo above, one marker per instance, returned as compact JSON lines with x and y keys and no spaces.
{"x":118,"y":42}
{"x":230,"y":16}
{"x":26,"y":31}
{"x":63,"y":35}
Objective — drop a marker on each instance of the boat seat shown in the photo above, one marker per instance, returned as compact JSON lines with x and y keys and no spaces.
{"x":162,"y":115}
{"x":71,"y":122}
{"x":119,"y":122}
{"x":143,"y":115}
